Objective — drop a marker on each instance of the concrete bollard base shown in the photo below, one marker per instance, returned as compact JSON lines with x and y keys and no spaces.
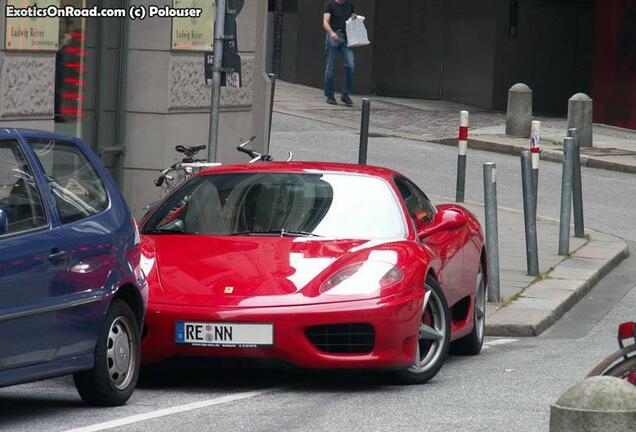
{"x":519,"y":114}
{"x":580,"y":116}
{"x":597,"y":404}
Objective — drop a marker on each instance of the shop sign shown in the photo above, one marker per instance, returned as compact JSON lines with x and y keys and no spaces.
{"x":32,"y":33}
{"x":194,"y":34}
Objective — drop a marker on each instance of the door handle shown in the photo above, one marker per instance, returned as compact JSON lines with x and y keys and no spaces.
{"x":57,"y":256}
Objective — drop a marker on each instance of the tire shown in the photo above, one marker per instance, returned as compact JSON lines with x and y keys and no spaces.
{"x":434,"y":338}
{"x":623,"y":369}
{"x":112,"y":382}
{"x":472,"y":343}
{"x":618,"y":364}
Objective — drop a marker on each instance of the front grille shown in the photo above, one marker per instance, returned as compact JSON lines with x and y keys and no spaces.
{"x":355,"y":338}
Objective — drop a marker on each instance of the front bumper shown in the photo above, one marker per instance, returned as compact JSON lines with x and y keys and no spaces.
{"x":395,"y":319}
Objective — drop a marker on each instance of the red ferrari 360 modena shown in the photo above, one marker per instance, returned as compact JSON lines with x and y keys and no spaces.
{"x":320,"y":265}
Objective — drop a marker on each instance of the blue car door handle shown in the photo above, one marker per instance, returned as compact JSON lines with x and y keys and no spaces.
{"x":57,"y":256}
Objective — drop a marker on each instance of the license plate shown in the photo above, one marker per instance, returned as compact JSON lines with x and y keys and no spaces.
{"x":224,"y":335}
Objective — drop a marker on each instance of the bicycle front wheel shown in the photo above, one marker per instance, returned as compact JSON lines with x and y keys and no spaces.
{"x":620,"y":364}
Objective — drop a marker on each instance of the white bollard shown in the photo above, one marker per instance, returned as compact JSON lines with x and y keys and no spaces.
{"x":463,"y":132}
{"x":535,"y":149}
{"x":462,"y":146}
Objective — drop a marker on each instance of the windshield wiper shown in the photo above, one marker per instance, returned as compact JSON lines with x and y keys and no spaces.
{"x":281,"y":232}
{"x":164,"y":231}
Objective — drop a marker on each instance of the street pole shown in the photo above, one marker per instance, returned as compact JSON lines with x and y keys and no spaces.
{"x":462,"y":145}
{"x":364,"y":131}
{"x":492,"y":231}
{"x":529,"y":214}
{"x":215,"y":100}
{"x":272,"y":79}
{"x":577,"y":187}
{"x":566,"y":196}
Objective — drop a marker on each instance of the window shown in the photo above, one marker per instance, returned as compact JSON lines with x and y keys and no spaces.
{"x":77,"y":189}
{"x":326,"y":205}
{"x":19,"y":195}
{"x":420,"y":208}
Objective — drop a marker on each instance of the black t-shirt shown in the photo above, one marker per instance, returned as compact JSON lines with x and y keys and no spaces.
{"x":340,"y":13}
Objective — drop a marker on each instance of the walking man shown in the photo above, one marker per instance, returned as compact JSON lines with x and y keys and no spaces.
{"x":336,"y":14}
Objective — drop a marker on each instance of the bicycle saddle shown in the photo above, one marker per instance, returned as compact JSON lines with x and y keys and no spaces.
{"x":189,"y":150}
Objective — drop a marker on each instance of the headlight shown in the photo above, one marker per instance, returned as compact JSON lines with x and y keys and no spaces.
{"x":362,"y":278}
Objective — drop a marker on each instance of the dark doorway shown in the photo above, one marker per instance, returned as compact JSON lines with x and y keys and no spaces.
{"x":408,"y":48}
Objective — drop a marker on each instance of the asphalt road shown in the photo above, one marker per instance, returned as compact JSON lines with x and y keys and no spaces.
{"x":608,"y":196}
{"x":508,"y":387}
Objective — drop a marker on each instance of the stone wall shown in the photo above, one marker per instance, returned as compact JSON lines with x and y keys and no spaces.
{"x":26,"y":87}
{"x":168,"y":101}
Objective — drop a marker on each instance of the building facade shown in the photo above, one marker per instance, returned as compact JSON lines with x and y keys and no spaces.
{"x":473,"y":51}
{"x":132,"y":89}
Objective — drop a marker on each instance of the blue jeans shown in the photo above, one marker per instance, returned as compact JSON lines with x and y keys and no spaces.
{"x":332,"y":50}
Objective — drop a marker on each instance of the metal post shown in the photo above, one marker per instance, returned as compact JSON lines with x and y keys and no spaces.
{"x":462,"y":145}
{"x":272,"y":79}
{"x":566,"y":196}
{"x":577,"y":187}
{"x":215,"y":100}
{"x":364,"y":131}
{"x":122,"y":90}
{"x":492,"y":231}
{"x":529,"y":214}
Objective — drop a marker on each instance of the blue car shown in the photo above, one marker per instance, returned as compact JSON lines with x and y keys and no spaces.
{"x":72,"y":292}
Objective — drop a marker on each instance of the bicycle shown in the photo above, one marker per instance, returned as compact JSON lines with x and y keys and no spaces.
{"x":622,"y":363}
{"x":179,"y":172}
{"x":258,"y":157}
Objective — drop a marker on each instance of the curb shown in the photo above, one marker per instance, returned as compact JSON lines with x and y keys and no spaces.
{"x":546,"y":155}
{"x":518,"y":326}
{"x":536,"y":326}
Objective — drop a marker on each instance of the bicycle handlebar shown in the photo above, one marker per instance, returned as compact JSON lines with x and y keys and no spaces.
{"x":250,"y":153}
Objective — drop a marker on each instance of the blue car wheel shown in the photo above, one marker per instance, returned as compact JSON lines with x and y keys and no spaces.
{"x":117,"y":357}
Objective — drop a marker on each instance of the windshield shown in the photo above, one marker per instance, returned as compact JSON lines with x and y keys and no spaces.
{"x":307,"y":204}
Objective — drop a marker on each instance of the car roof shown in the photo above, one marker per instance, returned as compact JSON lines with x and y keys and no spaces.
{"x":35,"y":133}
{"x":302,"y":167}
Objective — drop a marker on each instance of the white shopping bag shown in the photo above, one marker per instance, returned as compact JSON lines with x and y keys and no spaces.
{"x":357,"y":32}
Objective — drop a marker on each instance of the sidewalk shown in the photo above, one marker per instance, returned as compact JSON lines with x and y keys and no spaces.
{"x":529,"y":305}
{"x":437,"y":121}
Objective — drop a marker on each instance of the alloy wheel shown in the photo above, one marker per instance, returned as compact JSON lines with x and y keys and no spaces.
{"x":480,"y":306}
{"x":432,"y":333}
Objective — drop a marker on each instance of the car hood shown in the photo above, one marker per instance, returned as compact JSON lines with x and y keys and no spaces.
{"x":250,"y":271}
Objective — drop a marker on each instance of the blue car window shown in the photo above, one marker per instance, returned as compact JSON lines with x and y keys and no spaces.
{"x":20,"y":198}
{"x":76,"y":187}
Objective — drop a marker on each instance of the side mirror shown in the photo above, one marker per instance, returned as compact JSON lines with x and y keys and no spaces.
{"x":445,"y":220}
{"x":4,"y":222}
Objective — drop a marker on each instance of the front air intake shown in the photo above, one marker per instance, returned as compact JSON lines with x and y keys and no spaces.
{"x":355,"y":338}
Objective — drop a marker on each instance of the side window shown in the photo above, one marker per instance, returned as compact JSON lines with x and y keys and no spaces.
{"x":19,"y":195}
{"x":420,"y":208}
{"x":78,"y":191}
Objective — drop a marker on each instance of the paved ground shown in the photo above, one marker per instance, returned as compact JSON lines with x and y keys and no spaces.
{"x":428,"y":120}
{"x":423,"y":119}
{"x":508,"y":387}
{"x":608,"y":206}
